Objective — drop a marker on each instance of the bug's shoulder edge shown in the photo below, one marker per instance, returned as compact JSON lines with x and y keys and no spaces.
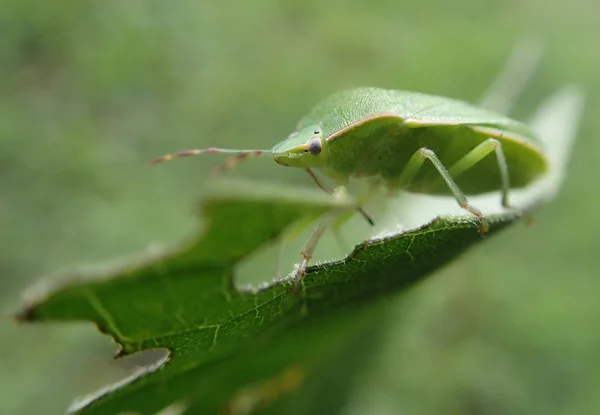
{"x":339,"y":133}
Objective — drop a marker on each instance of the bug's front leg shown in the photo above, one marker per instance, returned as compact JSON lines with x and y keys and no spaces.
{"x":307,"y":254}
{"x":339,"y":192}
{"x":326,"y":189}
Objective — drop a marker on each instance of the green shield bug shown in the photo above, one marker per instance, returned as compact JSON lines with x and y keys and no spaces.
{"x":407,"y":141}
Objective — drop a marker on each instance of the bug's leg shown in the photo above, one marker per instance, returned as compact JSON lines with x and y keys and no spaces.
{"x":307,"y":254}
{"x":318,"y":182}
{"x":290,"y":235}
{"x":476,"y":155}
{"x":414,"y":165}
{"x":327,"y":189}
{"x":337,"y":218}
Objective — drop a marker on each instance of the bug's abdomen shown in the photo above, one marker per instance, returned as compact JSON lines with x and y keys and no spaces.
{"x":383,"y":147}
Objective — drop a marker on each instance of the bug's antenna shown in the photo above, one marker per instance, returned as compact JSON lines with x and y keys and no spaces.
{"x":239,"y":155}
{"x":230,"y":162}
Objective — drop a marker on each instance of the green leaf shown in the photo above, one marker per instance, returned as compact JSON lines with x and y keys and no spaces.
{"x":247,"y":349}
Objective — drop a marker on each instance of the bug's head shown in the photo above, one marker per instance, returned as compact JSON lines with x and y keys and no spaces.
{"x":304,"y":148}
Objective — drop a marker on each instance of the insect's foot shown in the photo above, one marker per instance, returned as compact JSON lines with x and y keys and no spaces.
{"x":300,"y":275}
{"x":297,"y":282}
{"x":484,"y":226}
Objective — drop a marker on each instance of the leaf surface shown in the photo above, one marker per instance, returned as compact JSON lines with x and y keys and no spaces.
{"x":242,"y":350}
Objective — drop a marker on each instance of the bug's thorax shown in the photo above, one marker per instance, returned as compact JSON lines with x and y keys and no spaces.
{"x":306,"y":148}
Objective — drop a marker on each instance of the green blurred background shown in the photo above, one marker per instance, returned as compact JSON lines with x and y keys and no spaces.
{"x":91,"y":90}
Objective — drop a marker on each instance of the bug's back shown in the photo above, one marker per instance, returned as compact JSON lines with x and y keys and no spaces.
{"x":373,"y":131}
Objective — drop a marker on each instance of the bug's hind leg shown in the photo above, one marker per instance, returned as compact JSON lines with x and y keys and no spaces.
{"x":476,"y":155}
{"x":414,"y":165}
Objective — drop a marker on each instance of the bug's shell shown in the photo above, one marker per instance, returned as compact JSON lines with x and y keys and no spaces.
{"x":374,"y":132}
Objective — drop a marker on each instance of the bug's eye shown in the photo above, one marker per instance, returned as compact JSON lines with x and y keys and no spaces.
{"x":314,"y":146}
